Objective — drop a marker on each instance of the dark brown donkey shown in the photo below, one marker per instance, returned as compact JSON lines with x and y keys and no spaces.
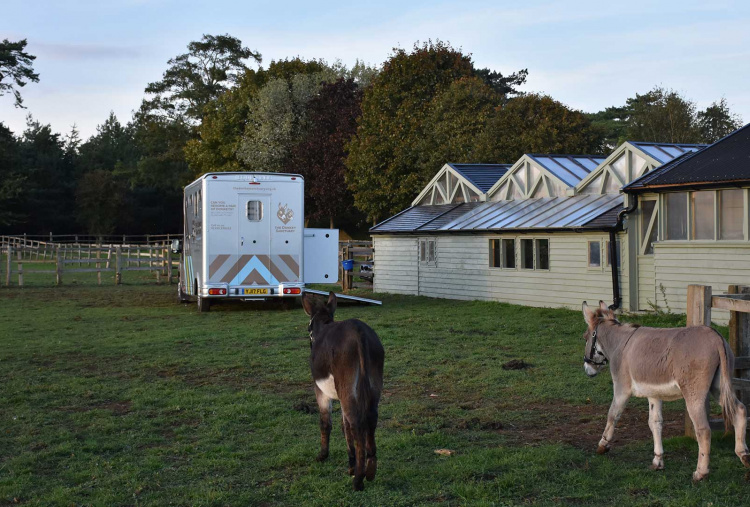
{"x":346,"y":359}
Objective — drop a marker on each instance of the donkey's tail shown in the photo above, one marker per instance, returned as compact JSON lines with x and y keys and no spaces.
{"x":727,"y":399}
{"x":363,"y":382}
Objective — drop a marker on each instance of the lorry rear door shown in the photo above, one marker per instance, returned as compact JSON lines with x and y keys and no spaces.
{"x":254,"y":242}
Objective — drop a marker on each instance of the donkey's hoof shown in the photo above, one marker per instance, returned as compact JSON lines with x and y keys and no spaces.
{"x":350,"y":471}
{"x":746,"y":460}
{"x":372,"y":467}
{"x":657,"y":466}
{"x":322,"y":456}
{"x":602,"y":449}
{"x":358,"y":484}
{"x":697,"y":476}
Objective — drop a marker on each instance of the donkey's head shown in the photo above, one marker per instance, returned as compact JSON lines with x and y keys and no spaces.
{"x":593,"y":356}
{"x":320,"y":312}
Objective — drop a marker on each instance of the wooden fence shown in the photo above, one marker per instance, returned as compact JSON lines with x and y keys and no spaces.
{"x":98,"y":259}
{"x":737,"y":300}
{"x":360,"y":252}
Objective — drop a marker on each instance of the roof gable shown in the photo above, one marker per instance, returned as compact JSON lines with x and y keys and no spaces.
{"x":456,"y":183}
{"x":725,"y":161}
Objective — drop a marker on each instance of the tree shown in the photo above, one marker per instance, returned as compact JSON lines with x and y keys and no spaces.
{"x":612,"y":123}
{"x":15,"y":68}
{"x":455,"y":119}
{"x":536,"y":124}
{"x":320,"y":153}
{"x":276,"y":117}
{"x":662,"y":115}
{"x":100,"y":196}
{"x":385,"y":152}
{"x":199,"y":76}
{"x":717,"y":121}
{"x":11,"y":181}
{"x":503,"y":85}
{"x":112,"y":147}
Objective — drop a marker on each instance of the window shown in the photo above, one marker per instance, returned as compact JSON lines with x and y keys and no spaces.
{"x":730,"y":214}
{"x":649,"y":226}
{"x":495,"y":254}
{"x":427,"y":252}
{"x":676,"y":204}
{"x":595,"y":254}
{"x":542,"y":253}
{"x":509,"y":253}
{"x":255,"y":211}
{"x":527,"y":254}
{"x":703,"y":225}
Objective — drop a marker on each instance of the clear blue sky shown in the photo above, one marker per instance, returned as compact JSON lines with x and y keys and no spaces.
{"x":95,"y":56}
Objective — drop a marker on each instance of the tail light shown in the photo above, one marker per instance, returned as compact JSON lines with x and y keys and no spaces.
{"x":293,"y":290}
{"x":217,"y":292}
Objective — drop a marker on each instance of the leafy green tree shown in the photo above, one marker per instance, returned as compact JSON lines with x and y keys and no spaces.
{"x":717,"y":121}
{"x":112,"y":147}
{"x":100,"y":196}
{"x":536,"y":124}
{"x":455,"y":119}
{"x":199,"y":76}
{"x":16,"y":69}
{"x":387,"y":148}
{"x":612,"y":123}
{"x":503,"y":85}
{"x":662,"y":115}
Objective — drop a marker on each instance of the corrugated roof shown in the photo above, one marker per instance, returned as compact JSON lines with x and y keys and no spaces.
{"x":587,"y":211}
{"x":727,"y":160}
{"x":666,"y":152}
{"x":483,"y":176}
{"x":570,"y":169}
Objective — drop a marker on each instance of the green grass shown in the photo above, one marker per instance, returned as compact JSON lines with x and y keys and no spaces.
{"x":116,"y":395}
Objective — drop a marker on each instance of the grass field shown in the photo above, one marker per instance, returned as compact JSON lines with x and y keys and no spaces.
{"x":116,"y":395}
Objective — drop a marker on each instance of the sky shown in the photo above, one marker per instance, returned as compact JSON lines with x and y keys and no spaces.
{"x":97,"y":56}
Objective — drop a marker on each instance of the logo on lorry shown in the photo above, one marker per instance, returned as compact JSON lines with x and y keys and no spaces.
{"x":285,"y":214}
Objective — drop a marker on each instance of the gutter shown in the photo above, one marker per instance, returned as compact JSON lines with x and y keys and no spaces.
{"x":616,"y":299}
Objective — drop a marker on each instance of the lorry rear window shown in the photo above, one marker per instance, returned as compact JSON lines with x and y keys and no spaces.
{"x":255,"y":211}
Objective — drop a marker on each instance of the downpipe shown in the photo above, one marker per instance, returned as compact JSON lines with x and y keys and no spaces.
{"x":613,"y":250}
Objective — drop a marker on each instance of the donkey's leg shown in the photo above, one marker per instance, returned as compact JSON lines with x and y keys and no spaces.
{"x":655,"y":422}
{"x":372,"y":460}
{"x":696,"y":407}
{"x":324,"y":406}
{"x":356,"y":422}
{"x":740,"y":426}
{"x":615,"y":411}
{"x":349,"y":435}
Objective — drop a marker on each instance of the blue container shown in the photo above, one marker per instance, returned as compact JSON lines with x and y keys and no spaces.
{"x":348,"y":264}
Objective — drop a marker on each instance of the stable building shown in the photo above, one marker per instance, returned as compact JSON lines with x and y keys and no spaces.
{"x":546,"y":233}
{"x":691,"y":223}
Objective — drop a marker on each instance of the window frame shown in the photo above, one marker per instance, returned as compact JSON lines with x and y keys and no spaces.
{"x":653,"y":221}
{"x":423,"y":252}
{"x":589,"y":266}
{"x":537,"y":257}
{"x":261,"y":211}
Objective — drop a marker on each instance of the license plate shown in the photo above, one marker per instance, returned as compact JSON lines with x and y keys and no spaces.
{"x":256,"y":291}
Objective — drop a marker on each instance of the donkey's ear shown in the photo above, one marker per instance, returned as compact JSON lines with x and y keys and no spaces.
{"x":603,"y":306}
{"x":589,"y":315}
{"x":331,"y":304}
{"x":307,"y":304}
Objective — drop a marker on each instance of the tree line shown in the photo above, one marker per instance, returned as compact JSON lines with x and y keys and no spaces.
{"x":366,"y":138}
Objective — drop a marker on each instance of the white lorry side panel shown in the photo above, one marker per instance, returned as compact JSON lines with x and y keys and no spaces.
{"x":321,"y":255}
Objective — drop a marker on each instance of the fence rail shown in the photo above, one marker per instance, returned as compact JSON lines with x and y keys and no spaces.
{"x":89,"y":239}
{"x":361,"y":254}
{"x":118,"y":259}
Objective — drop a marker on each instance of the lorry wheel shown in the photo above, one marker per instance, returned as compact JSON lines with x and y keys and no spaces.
{"x":204,"y":305}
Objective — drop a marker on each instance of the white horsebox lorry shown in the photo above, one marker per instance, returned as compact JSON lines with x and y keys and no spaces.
{"x":245,"y":238}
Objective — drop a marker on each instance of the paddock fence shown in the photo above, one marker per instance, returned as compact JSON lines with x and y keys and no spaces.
{"x":24,"y":255}
{"x":737,"y":300}
{"x":361,"y":255}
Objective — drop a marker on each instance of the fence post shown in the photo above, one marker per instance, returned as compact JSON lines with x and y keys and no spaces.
{"x":9,"y":261}
{"x":698,"y":314}
{"x":739,"y":338}
{"x":99,"y":264}
{"x":118,"y":263}
{"x":169,"y":264}
{"x":59,"y":267}
{"x":20,"y":268}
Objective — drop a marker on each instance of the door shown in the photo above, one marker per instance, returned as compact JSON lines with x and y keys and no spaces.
{"x":253,"y":243}
{"x":648,"y":234}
